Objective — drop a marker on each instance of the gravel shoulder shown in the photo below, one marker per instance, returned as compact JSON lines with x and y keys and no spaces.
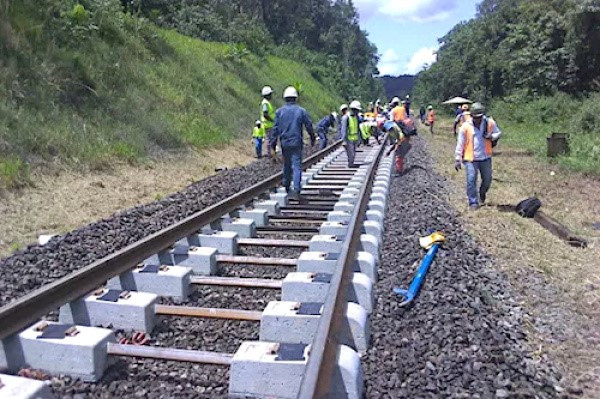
{"x":466,"y":335}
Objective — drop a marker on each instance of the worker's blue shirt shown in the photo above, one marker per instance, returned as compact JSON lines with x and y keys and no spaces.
{"x":289,"y":120}
{"x":326,"y":123}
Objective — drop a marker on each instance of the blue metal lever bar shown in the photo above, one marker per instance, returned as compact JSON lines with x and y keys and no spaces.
{"x":410,"y":294}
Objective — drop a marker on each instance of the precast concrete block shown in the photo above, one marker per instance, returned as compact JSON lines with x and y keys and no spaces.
{"x":380,"y":190}
{"x":375,"y":215}
{"x":351,"y":190}
{"x":202,"y":260}
{"x":381,"y":198}
{"x":243,"y":227}
{"x":12,"y":387}
{"x":259,"y":216}
{"x":60,"y":349}
{"x":295,"y":322}
{"x":169,"y":281}
{"x":374,"y":229}
{"x":350,"y":198}
{"x":344,"y":206}
{"x":317,"y":262}
{"x":348,"y":380}
{"x":339,"y":216}
{"x":356,"y":184}
{"x":361,"y":292}
{"x":225,"y":242}
{"x":272,"y":207}
{"x":370,"y":244}
{"x":123,"y":310}
{"x":281,"y":190}
{"x":334,"y":229}
{"x":365,"y":263}
{"x":326,"y":243}
{"x":376,"y":206}
{"x":383,"y":184}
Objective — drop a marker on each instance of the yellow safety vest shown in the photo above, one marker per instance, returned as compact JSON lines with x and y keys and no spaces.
{"x":258,"y":132}
{"x":271,"y":111}
{"x":352,"y":128}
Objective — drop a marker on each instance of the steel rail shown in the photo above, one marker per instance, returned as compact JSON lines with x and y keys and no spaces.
{"x":318,"y":376}
{"x":25,"y":310}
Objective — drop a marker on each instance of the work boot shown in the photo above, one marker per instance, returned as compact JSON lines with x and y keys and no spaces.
{"x":294,"y":195}
{"x":482,"y":197}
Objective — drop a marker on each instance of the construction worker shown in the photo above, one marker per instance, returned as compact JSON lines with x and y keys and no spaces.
{"x":430,"y":118}
{"x":289,"y":121}
{"x":258,"y":135}
{"x":343,"y":111}
{"x":398,"y":111}
{"x":407,"y":105}
{"x":365,"y":131}
{"x":323,"y":126}
{"x":474,"y":150}
{"x":464,"y":116}
{"x":378,"y":107}
{"x":422,"y":114}
{"x":267,"y":117}
{"x":350,"y":131}
{"x":400,"y":144}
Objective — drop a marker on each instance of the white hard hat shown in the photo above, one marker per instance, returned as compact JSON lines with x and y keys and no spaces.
{"x":267,"y":90}
{"x":290,"y":92}
{"x":343,"y":107}
{"x":395,"y":100}
{"x":258,"y":123}
{"x":355,"y":105}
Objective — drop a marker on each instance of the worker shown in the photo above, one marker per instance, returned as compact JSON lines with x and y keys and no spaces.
{"x":407,"y":105}
{"x":267,"y":117}
{"x":378,"y":108}
{"x":258,"y":135}
{"x":350,"y":131}
{"x":398,"y":111}
{"x":343,"y":111}
{"x":464,"y":116}
{"x":474,"y":150}
{"x":430,"y":118}
{"x":365,"y":131}
{"x":400,"y":144}
{"x":422,"y":114}
{"x":323,"y":126}
{"x":289,"y":121}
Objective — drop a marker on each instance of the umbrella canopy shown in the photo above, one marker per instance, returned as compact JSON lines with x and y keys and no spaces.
{"x":458,"y":100}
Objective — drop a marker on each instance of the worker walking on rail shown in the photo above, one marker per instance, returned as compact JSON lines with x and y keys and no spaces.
{"x":323,"y":127}
{"x":430,"y":118}
{"x":474,"y":150}
{"x":258,"y":135}
{"x":267,"y":118}
{"x":289,"y":121}
{"x":350,"y":131}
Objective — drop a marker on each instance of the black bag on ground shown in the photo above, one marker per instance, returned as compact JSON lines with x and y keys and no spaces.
{"x":528,"y":207}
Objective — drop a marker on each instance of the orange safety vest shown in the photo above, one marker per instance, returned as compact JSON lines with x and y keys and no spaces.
{"x":399,"y":113}
{"x":464,"y":117}
{"x":431,"y":116}
{"x":469,"y":148}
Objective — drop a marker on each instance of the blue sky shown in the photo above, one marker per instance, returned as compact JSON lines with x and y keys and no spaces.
{"x":406,"y":31}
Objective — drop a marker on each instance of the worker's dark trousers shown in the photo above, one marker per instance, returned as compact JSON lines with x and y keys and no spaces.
{"x":485,"y":169}
{"x":350,"y":152}
{"x":323,"y":138}
{"x":292,"y":168}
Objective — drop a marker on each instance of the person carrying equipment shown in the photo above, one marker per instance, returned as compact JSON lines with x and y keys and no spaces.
{"x":343,"y":111}
{"x":464,"y":116}
{"x":430,"y":118}
{"x":258,"y":135}
{"x":323,"y":126}
{"x":350,"y":131}
{"x":267,"y":117}
{"x":289,"y":121}
{"x":474,"y":150}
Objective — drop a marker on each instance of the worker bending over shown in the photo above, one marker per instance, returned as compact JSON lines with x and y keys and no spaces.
{"x":400,"y":140}
{"x":258,"y":135}
{"x":323,"y":126}
{"x":474,"y":150}
{"x":289,"y":121}
{"x":350,"y":131}
{"x":267,"y":117}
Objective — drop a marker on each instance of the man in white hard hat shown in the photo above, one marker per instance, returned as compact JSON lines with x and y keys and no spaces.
{"x":267,"y":118}
{"x":350,"y":131}
{"x":289,"y":121}
{"x":343,"y":111}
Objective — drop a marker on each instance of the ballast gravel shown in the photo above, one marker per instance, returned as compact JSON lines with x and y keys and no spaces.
{"x":464,"y":335}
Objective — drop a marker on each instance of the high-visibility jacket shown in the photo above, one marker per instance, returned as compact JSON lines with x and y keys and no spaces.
{"x":365,"y":130}
{"x":258,"y":132}
{"x":463,"y":117}
{"x":431,"y":116}
{"x":468,"y":147}
{"x":267,"y":124}
{"x":398,"y":114}
{"x":352,"y":128}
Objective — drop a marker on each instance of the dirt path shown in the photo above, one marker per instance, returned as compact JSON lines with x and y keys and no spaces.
{"x":57,"y":204}
{"x":559,"y":284}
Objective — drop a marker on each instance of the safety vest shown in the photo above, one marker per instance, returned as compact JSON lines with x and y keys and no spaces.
{"x":271,"y":111}
{"x":365,"y":130}
{"x":431,"y":116}
{"x":469,"y":146}
{"x":399,"y":113}
{"x":352,"y":128}
{"x":464,"y":117}
{"x":258,"y":132}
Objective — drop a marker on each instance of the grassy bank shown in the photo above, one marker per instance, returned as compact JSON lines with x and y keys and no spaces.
{"x":527,"y":123}
{"x":84,"y":85}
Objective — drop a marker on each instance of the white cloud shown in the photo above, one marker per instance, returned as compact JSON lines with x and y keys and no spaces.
{"x":403,"y":10}
{"x":390,"y":63}
{"x":422,"y":58}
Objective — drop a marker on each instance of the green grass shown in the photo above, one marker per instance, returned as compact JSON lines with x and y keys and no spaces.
{"x":90,"y":89}
{"x":526,"y":124}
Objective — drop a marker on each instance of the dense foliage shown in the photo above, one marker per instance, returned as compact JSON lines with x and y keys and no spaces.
{"x":528,"y":48}
{"x":323,"y":34}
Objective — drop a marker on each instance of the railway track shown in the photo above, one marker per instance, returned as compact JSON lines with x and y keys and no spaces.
{"x":296,"y":276}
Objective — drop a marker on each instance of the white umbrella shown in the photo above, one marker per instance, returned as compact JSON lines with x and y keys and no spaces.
{"x":458,"y":100}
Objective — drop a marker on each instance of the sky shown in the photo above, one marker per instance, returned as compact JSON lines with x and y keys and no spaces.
{"x":406,"y":32}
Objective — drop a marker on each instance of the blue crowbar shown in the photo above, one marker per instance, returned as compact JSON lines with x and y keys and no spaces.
{"x":431,"y":243}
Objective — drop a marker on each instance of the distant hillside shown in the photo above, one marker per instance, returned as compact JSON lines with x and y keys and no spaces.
{"x":398,"y":85}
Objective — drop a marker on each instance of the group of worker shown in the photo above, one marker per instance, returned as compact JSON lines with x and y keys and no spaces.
{"x":476,"y":135}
